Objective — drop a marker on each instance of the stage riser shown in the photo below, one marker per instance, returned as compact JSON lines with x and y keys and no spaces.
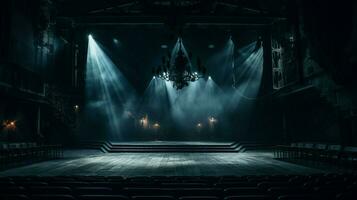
{"x":167,"y":146}
{"x":109,"y":147}
{"x":174,"y":150}
{"x":114,"y":147}
{"x":169,"y":151}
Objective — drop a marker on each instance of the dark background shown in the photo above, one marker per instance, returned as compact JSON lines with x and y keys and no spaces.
{"x":39,"y":39}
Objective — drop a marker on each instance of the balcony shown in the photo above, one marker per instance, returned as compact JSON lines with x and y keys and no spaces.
{"x":20,"y":82}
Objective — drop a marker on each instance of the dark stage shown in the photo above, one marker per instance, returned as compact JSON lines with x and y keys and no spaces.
{"x":178,"y":100}
{"x":95,"y":163}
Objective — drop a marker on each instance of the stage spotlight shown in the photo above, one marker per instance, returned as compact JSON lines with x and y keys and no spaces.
{"x":154,"y":77}
{"x":116,"y":41}
{"x":164,"y":46}
{"x":90,"y":36}
{"x":209,"y":77}
{"x":211,"y":46}
{"x":156,"y":125}
{"x":199,"y":125}
{"x":76,"y":108}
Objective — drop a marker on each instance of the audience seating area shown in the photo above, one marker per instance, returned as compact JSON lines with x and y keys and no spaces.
{"x":13,"y":154}
{"x":281,"y":187}
{"x":336,"y":154}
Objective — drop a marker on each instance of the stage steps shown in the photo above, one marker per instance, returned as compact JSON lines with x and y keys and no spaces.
{"x":103,"y":146}
{"x":257,"y":146}
{"x":112,"y":147}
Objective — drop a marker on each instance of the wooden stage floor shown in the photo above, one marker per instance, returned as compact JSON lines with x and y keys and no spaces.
{"x":173,"y":143}
{"x":92,"y":162}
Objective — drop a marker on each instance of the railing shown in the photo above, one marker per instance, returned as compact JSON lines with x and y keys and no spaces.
{"x":335,"y":154}
{"x":21,"y":79}
{"x":14,"y":154}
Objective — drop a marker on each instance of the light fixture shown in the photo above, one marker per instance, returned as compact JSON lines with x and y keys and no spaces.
{"x":156,"y":125}
{"x":212,"y":122}
{"x":291,"y":38}
{"x":212,"y":119}
{"x":76,"y":108}
{"x":144,"y":122}
{"x":199,"y":125}
{"x":178,"y":70}
{"x":9,"y":125}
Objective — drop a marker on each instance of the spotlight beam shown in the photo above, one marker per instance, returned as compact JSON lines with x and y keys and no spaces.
{"x":253,"y":72}
{"x":107,"y":91}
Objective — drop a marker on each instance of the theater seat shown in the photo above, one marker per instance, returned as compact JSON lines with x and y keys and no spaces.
{"x":198,"y":192}
{"x":149,"y":191}
{"x":69,"y":183}
{"x":278,"y":191}
{"x":352,"y":195}
{"x":325,"y":186}
{"x":92,"y":190}
{"x":6,"y":183}
{"x":103,"y":197}
{"x":267,"y":185}
{"x":13,"y":190}
{"x":249,"y":197}
{"x":301,"y":197}
{"x":52,"y":197}
{"x":14,"y":197}
{"x":32,"y":183}
{"x":50,"y":190}
{"x":185,"y":185}
{"x":153,"y":198}
{"x":63,"y":179}
{"x":199,"y":198}
{"x":227,"y":184}
{"x":242,"y":191}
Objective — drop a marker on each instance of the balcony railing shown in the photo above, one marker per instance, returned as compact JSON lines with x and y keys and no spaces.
{"x":21,"y":79}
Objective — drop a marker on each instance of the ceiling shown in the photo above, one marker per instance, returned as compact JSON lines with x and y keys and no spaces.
{"x":112,"y":12}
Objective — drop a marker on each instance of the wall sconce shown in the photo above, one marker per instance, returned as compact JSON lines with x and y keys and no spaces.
{"x":9,"y":125}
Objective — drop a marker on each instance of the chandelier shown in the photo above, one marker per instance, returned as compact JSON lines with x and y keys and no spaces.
{"x":178,"y":69}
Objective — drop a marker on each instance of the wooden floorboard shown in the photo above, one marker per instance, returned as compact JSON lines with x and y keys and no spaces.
{"x":173,"y":143}
{"x":163,"y":164}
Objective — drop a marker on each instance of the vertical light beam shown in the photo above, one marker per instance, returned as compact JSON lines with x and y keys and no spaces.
{"x":108,"y":94}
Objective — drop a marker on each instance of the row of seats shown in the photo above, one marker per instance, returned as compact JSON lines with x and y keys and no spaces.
{"x":24,"y":153}
{"x":282,"y":187}
{"x":17,"y":145}
{"x":346,"y":155}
